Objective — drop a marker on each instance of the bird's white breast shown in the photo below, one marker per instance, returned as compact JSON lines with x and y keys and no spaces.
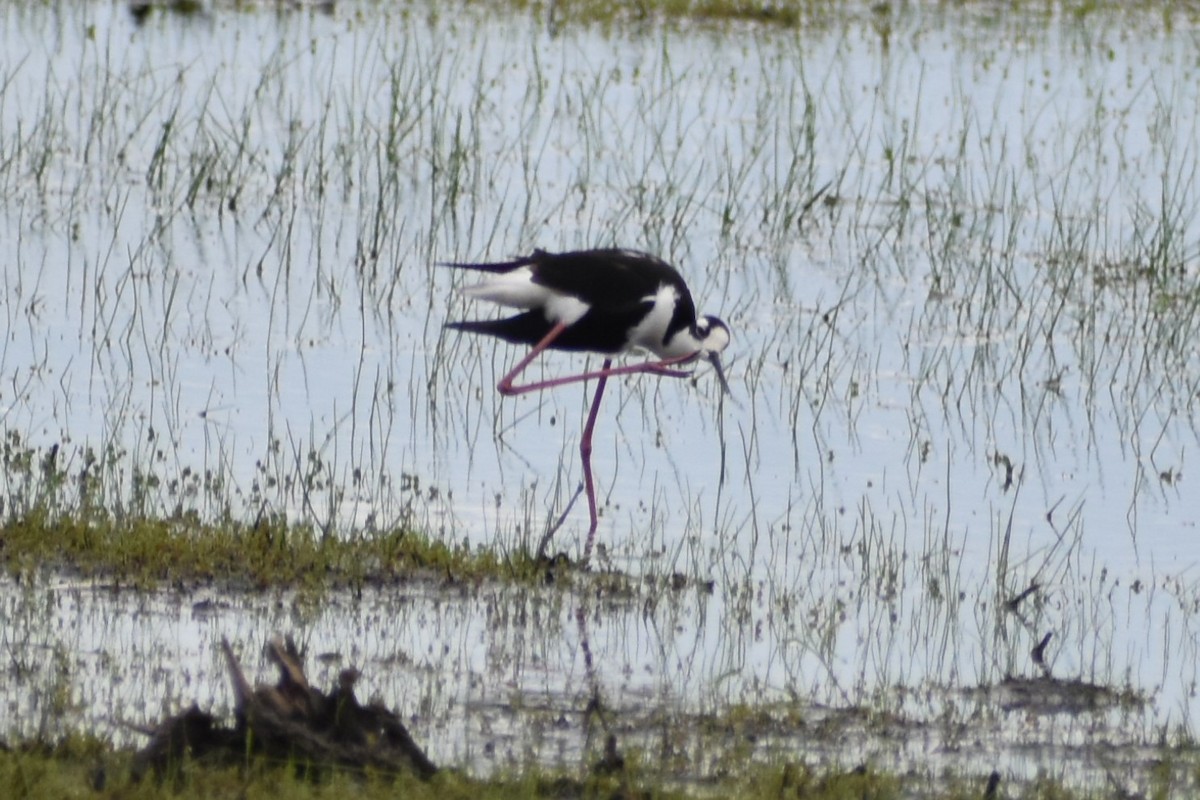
{"x":650,"y":331}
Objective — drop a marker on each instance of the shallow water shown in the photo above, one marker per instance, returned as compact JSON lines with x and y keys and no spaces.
{"x":489,"y":677}
{"x":957,"y":254}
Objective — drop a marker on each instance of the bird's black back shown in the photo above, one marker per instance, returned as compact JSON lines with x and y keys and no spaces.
{"x":617,"y":285}
{"x":608,"y":279}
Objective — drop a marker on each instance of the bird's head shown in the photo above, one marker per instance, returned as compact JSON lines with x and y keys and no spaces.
{"x":714,"y":337}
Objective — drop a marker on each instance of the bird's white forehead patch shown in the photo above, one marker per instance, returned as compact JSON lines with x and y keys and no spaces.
{"x":716,"y":340}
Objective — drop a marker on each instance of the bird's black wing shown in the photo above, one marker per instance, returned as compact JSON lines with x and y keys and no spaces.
{"x":529,"y":327}
{"x":611,"y":281}
{"x":589,"y":334}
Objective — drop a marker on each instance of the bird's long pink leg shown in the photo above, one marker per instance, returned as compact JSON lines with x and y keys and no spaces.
{"x":585,"y":453}
{"x":506,"y":386}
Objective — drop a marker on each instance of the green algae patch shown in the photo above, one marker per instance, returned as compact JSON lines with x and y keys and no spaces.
{"x":147,"y":551}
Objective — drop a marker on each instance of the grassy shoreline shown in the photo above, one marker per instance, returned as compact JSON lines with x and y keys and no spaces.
{"x":145,"y":552}
{"x":87,"y":767}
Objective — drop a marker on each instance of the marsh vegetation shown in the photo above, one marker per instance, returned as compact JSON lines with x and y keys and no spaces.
{"x":957,"y":246}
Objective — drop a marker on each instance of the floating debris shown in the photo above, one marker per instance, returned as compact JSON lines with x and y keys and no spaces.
{"x":289,"y":721}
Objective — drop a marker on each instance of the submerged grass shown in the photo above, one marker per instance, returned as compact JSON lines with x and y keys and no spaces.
{"x":98,"y":515}
{"x":796,"y":13}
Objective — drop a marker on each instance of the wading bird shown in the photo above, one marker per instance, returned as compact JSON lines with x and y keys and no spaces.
{"x":602,"y":301}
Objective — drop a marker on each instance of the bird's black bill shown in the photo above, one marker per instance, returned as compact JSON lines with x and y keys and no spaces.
{"x":715,"y":360}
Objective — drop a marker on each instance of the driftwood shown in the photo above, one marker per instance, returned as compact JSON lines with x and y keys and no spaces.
{"x":290,"y":721}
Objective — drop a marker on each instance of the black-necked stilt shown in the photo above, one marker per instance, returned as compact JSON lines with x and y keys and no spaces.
{"x":604,"y":301}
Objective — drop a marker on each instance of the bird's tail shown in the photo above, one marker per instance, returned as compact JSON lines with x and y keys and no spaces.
{"x":493,"y":266}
